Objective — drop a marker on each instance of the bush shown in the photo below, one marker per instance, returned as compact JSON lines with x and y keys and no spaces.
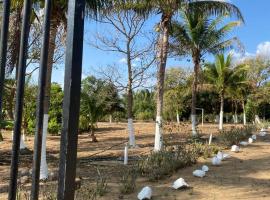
{"x":7,"y":124}
{"x":235,"y":135}
{"x":128,"y":181}
{"x":165,"y":162}
{"x":145,"y":115}
{"x":207,"y":151}
{"x":54,"y":127}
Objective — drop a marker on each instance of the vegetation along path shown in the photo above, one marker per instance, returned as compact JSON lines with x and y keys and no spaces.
{"x":246,"y":175}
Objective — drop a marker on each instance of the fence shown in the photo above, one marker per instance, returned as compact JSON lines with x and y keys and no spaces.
{"x":71,"y":104}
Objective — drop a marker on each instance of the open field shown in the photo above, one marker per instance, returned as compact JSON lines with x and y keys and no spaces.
{"x":244,"y":176}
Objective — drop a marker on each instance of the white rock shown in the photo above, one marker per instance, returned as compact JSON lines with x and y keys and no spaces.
{"x":243,"y":143}
{"x":254,"y":137}
{"x":263,"y":130}
{"x":216,"y":161}
{"x":262,"y":134}
{"x":205,"y":168}
{"x":250,"y":140}
{"x":199,"y":173}
{"x":180,"y":183}
{"x":226,"y":155}
{"x":145,"y":193}
{"x":235,"y":148}
{"x":219,"y":155}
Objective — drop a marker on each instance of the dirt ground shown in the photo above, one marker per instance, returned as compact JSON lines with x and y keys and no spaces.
{"x":246,"y":175}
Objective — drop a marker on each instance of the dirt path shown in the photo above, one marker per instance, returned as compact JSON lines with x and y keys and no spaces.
{"x":246,"y":175}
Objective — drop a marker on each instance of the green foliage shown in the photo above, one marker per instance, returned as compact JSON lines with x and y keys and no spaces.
{"x":98,"y":99}
{"x":6,"y":124}
{"x":54,"y":127}
{"x":163,"y":163}
{"x":235,"y":135}
{"x":144,"y":105}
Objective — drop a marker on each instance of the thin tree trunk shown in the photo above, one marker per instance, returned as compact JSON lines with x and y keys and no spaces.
{"x":244,"y":113}
{"x":46,"y":103}
{"x":10,"y":103}
{"x":163,"y":44}
{"x":235,"y":114}
{"x":131,"y":133}
{"x":196,"y":61}
{"x":177,"y":117}
{"x":110,"y":118}
{"x":221,"y":112}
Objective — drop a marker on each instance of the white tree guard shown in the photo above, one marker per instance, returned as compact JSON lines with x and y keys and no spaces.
{"x":221,"y":120}
{"x":43,"y":165}
{"x":193,"y":125}
{"x":158,"y":134}
{"x":131,"y":133}
{"x":126,"y":155}
{"x":177,"y":118}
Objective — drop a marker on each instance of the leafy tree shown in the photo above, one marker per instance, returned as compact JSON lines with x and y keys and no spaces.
{"x":96,"y":98}
{"x":144,"y":104}
{"x":224,"y":78}
{"x":197,"y":35}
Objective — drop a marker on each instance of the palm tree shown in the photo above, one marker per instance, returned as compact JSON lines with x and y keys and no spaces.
{"x":224,"y":78}
{"x":197,"y":35}
{"x":167,"y":9}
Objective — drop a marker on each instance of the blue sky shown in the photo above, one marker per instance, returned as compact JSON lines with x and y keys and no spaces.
{"x":254,"y":34}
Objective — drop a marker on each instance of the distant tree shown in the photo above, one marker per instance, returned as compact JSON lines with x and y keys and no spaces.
{"x":196,"y":36}
{"x":177,"y":82}
{"x":144,"y":104}
{"x":97,"y":100}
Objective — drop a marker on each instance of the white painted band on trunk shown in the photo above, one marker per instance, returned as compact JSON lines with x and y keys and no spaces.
{"x":193,"y":125}
{"x":221,"y":120}
{"x":22,"y":143}
{"x":158,"y":134}
{"x":131,"y":133}
{"x":177,"y":118}
{"x":43,"y":165}
{"x":126,"y":155}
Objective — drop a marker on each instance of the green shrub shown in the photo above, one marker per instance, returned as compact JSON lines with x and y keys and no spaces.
{"x":165,"y":162}
{"x":235,"y":135}
{"x":7,"y":124}
{"x":54,"y":127}
{"x":205,"y":150}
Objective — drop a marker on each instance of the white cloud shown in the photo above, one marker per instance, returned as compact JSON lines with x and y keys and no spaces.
{"x":123,"y":60}
{"x":263,"y":49}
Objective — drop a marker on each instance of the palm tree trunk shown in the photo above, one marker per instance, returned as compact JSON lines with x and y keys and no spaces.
{"x":46,"y":104}
{"x":163,"y":44}
{"x":196,"y":61}
{"x":221,"y":112}
{"x":244,"y":113}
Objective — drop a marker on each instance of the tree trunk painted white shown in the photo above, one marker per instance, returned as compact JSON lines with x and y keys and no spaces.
{"x":43,"y":165}
{"x":244,"y":114}
{"x":158,"y":134}
{"x":193,"y":125}
{"x":126,"y":155}
{"x":257,"y":119}
{"x":221,"y":120}
{"x":131,"y":133}
{"x":22,"y":142}
{"x":177,"y":118}
{"x":110,"y":119}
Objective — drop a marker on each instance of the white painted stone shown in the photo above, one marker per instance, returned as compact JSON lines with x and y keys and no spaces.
{"x":199,"y":173}
{"x":180,"y":183}
{"x":145,"y":193}
{"x":216,"y":161}
{"x":235,"y":148}
{"x":205,"y":168}
{"x":243,"y":143}
{"x":254,"y":137}
{"x":250,"y":140}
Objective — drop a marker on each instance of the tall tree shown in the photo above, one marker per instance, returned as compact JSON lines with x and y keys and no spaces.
{"x":224,"y":78}
{"x":128,"y":40}
{"x":197,"y":35}
{"x":167,"y":9}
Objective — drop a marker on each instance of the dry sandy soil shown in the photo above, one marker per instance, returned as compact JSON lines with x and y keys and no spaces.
{"x":246,"y":175}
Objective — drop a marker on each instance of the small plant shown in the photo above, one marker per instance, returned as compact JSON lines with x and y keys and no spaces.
{"x":128,"y":181}
{"x":49,"y":192}
{"x":101,"y":184}
{"x":22,"y":194}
